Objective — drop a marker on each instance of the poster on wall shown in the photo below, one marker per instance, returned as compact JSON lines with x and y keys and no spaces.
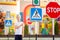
{"x":28,"y":11}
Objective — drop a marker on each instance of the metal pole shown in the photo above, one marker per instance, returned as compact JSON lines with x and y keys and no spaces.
{"x":36,"y":36}
{"x":53,"y":37}
{"x":7,"y":37}
{"x":29,"y":37}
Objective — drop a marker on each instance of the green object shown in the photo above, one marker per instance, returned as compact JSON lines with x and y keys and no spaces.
{"x":35,"y":1}
{"x":44,"y":31}
{"x":26,"y":30}
{"x":11,"y":31}
{"x":56,"y":29}
{"x":50,"y":22}
{"x":49,"y":29}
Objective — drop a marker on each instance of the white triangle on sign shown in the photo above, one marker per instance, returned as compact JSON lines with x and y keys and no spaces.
{"x":8,"y":23}
{"x":36,"y":15}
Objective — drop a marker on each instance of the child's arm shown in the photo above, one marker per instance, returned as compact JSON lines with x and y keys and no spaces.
{"x":16,"y":27}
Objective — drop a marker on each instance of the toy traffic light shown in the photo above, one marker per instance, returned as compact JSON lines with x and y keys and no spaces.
{"x":36,"y":2}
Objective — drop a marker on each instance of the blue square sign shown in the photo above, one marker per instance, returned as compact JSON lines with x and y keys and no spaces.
{"x":8,"y":23}
{"x":36,"y":14}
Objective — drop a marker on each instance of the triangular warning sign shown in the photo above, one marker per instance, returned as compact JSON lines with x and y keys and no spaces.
{"x":36,"y":15}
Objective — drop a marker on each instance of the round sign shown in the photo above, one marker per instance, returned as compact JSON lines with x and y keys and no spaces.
{"x":26,"y":12}
{"x":53,"y":9}
{"x":29,"y":22}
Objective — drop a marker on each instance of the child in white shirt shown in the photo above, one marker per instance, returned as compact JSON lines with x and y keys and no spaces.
{"x":19,"y":28}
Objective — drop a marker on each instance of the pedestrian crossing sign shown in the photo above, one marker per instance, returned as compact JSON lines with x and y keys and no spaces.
{"x":8,"y":23}
{"x":36,"y":14}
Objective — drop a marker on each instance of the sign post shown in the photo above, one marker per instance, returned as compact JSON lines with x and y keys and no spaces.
{"x":36,"y":15}
{"x":53,"y":10}
{"x":53,"y":26}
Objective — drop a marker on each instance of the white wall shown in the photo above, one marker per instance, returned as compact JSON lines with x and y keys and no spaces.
{"x":11,"y":8}
{"x":8,"y":8}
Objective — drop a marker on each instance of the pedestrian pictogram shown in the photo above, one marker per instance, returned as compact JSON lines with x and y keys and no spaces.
{"x":36,"y":15}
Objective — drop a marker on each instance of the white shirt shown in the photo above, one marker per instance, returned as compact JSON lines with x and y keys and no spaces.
{"x":19,"y":30}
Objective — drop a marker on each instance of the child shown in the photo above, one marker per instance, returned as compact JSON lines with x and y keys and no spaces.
{"x":19,"y":28}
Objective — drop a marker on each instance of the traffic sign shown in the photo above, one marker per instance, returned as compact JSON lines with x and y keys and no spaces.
{"x":53,"y":9}
{"x":36,"y":2}
{"x":8,"y":23}
{"x":36,"y":14}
